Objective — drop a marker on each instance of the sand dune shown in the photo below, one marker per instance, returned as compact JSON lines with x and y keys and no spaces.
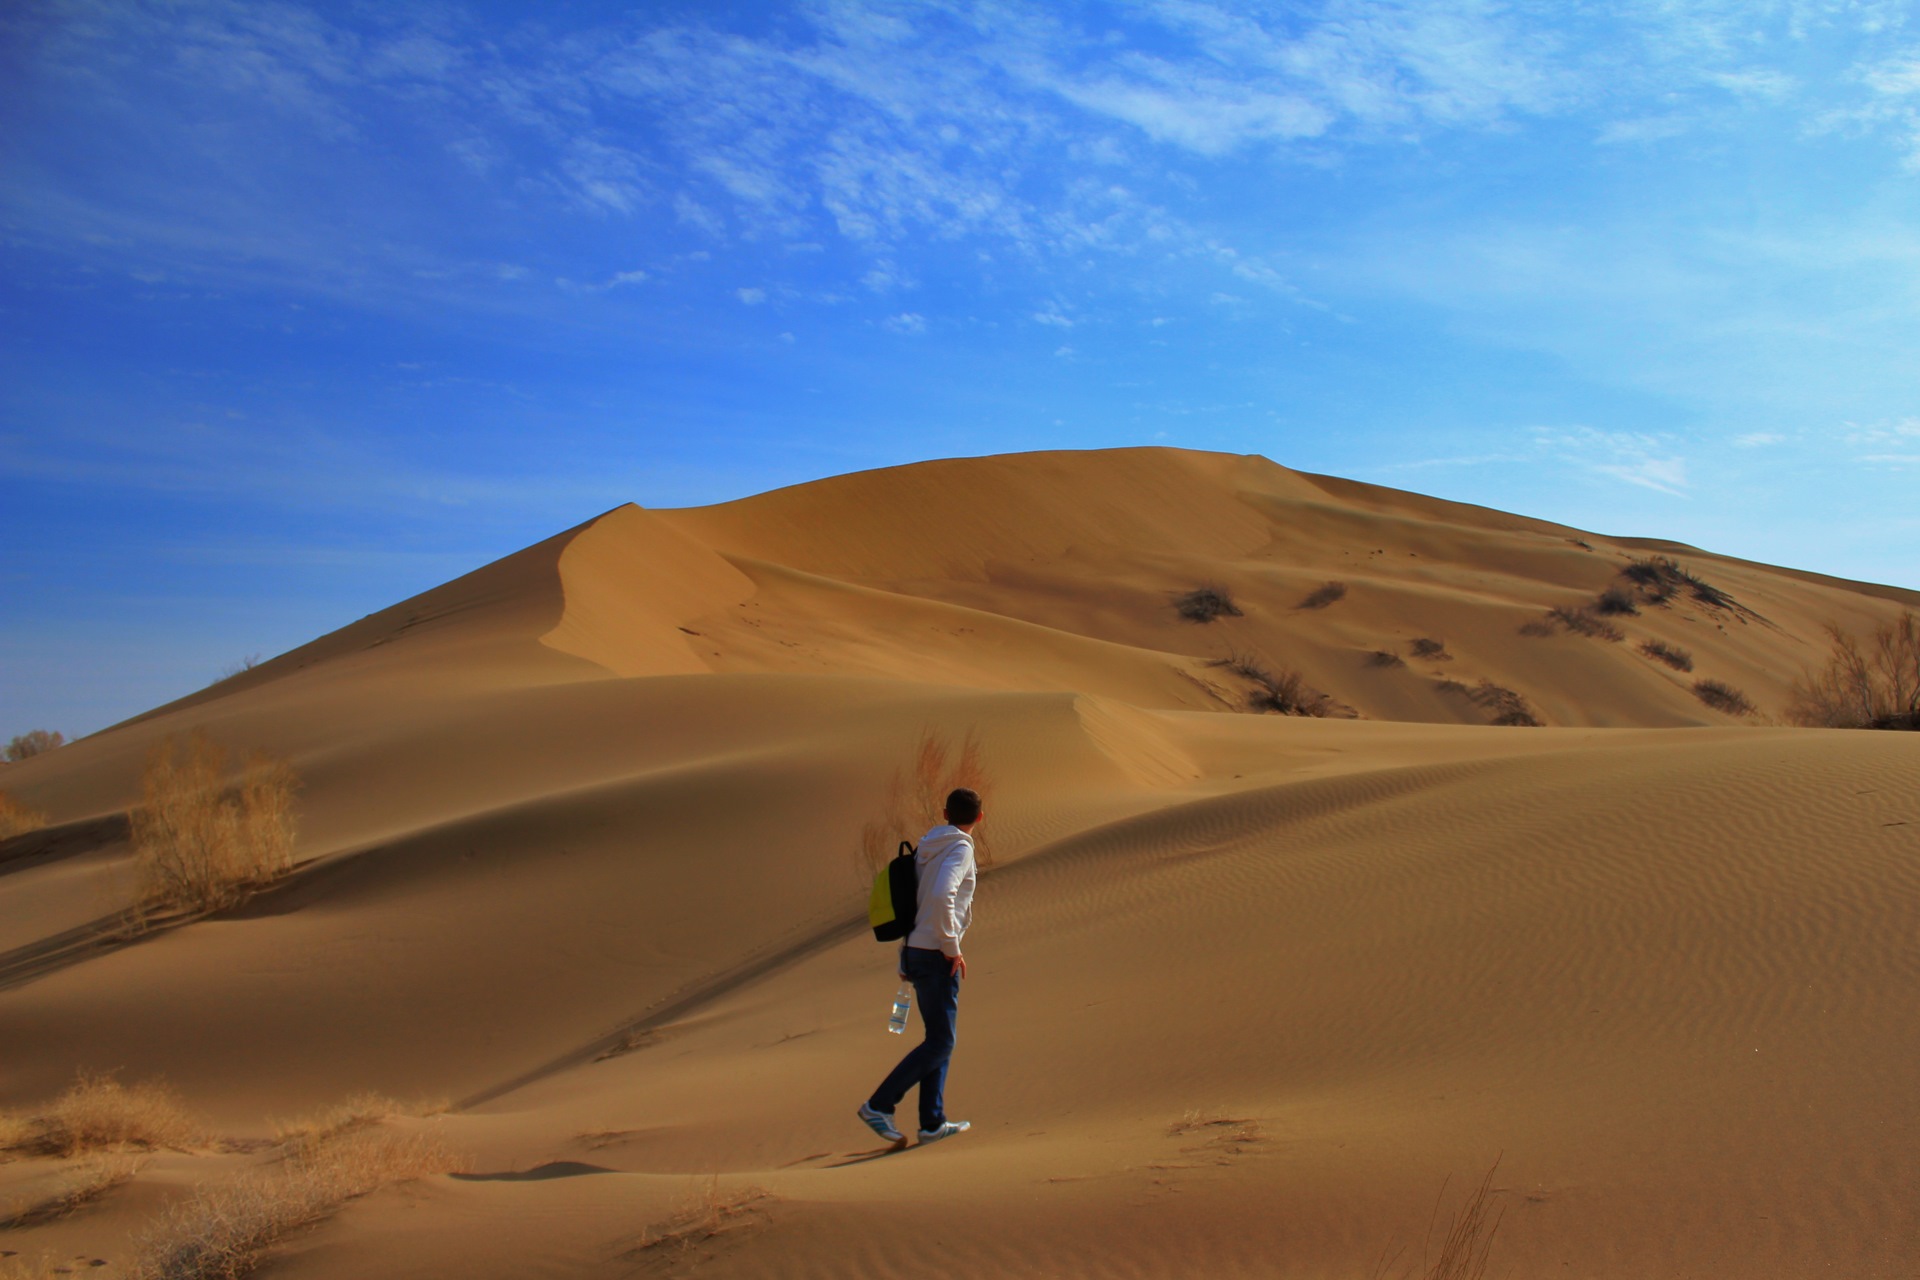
{"x":579,"y":857}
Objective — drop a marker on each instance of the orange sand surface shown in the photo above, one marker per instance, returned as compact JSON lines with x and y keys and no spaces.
{"x":579,"y":860}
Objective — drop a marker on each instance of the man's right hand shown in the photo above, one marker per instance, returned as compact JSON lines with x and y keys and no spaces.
{"x":957,"y":966}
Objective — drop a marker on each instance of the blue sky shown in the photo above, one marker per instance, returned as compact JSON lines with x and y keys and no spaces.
{"x":304,"y":309}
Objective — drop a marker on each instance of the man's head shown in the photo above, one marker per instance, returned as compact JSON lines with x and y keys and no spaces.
{"x":963,"y":807}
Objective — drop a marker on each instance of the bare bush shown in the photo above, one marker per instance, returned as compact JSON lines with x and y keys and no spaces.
{"x":72,"y":1190}
{"x":1432,"y":650}
{"x":1579,"y":619}
{"x":1660,"y":651}
{"x":200,"y":843}
{"x":1722,"y":697}
{"x":221,"y":1232}
{"x":1614,"y":601}
{"x":1285,"y":692}
{"x":360,"y":1112}
{"x":1464,"y":1248}
{"x":31,"y":743}
{"x":1385,"y":658}
{"x":1323,"y":595}
{"x":916,"y":796}
{"x":1657,"y":580}
{"x":705,"y":1213}
{"x":98,"y":1113}
{"x":16,"y":819}
{"x":1875,"y":687}
{"x":1205,"y":603}
{"x":1507,"y":706}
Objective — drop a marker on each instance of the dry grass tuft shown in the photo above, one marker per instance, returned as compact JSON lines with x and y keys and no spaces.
{"x":1508,"y":707}
{"x":1431,"y":649}
{"x":916,"y":796}
{"x":1864,"y":688}
{"x":1579,"y":619}
{"x":1385,"y":658}
{"x":360,"y":1112}
{"x":706,"y":1212}
{"x":16,"y":1267}
{"x":72,"y":1190}
{"x":1660,"y":651}
{"x":222,"y":1232}
{"x":1616,"y":600}
{"x":1722,"y":697}
{"x":16,"y":819}
{"x":1465,"y":1246}
{"x":1323,"y":595}
{"x":98,"y":1113}
{"x":199,"y":843}
{"x":1205,"y":603}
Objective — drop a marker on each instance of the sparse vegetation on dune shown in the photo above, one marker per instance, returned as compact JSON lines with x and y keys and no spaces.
{"x":1433,"y":650}
{"x":98,"y":1113}
{"x":1323,"y":595}
{"x":1385,"y":658}
{"x":1657,"y":580}
{"x":1205,"y":603}
{"x":1508,"y":707}
{"x":706,"y":1212}
{"x":1872,"y":687}
{"x":16,"y":819}
{"x":1464,"y":1247}
{"x":1614,"y":601}
{"x":1578,"y":619}
{"x":359,"y":1112}
{"x":201,"y":843}
{"x":31,"y":743}
{"x":71,"y":1191}
{"x":1722,"y":697}
{"x":1660,"y":651}
{"x":1284,"y":692}
{"x":917,"y":794}
{"x":223,"y":1231}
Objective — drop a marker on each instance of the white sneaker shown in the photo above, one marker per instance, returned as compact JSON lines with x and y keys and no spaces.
{"x":946,"y":1130}
{"x":881,"y":1123}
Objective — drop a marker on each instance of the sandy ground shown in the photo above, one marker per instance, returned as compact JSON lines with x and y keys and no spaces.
{"x":1250,"y":995}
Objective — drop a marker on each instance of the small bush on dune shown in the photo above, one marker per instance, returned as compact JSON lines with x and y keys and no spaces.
{"x":16,"y":819}
{"x":1615,"y":601}
{"x":1876,"y":687}
{"x":1508,"y":707}
{"x":1432,"y":650}
{"x":1722,"y":697}
{"x":199,"y":843}
{"x":916,"y":795}
{"x":1323,"y":595}
{"x":31,"y":743}
{"x":1385,"y":658}
{"x":98,"y":1113}
{"x":360,"y":1112}
{"x":705,"y":1213}
{"x":1579,"y":619}
{"x":1204,"y":604}
{"x":222,"y":1232}
{"x":1285,"y":692}
{"x":1660,"y":651}
{"x":72,"y":1191}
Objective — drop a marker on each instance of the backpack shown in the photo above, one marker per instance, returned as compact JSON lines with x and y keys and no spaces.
{"x":895,"y":899}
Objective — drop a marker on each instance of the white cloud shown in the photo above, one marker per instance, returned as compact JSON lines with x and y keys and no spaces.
{"x":1052,"y":316}
{"x":752,"y":297}
{"x":1637,"y":458}
{"x":906,"y":322}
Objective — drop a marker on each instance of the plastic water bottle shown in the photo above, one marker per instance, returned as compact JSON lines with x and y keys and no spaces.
{"x":901,"y":999}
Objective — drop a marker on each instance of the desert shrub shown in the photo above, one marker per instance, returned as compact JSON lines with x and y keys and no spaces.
{"x":1657,"y":580}
{"x":1205,"y":603}
{"x":1285,"y":692}
{"x":917,"y":793}
{"x":1431,"y":649}
{"x":16,"y":819}
{"x":1323,"y":595}
{"x":221,"y":1232}
{"x":1614,"y":601}
{"x":98,"y":1113}
{"x":201,"y":844}
{"x":1875,"y":687}
{"x":71,"y":1191}
{"x":1385,"y":658}
{"x":1722,"y":697}
{"x":31,"y":743}
{"x":1660,"y":651}
{"x":705,"y":1212}
{"x":1507,"y":706}
{"x":360,"y":1112}
{"x":1579,"y":619}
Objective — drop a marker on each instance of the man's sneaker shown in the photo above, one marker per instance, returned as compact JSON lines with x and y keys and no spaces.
{"x":946,"y":1130}
{"x":881,"y":1122}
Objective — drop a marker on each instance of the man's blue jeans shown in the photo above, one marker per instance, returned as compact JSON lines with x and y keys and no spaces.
{"x":937,"y":991}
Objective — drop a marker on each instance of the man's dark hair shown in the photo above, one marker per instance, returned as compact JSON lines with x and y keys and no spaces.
{"x":963,"y":806}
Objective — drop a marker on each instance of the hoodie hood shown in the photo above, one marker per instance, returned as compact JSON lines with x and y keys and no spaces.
{"x":940,"y":841}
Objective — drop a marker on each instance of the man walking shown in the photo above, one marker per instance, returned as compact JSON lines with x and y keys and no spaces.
{"x":932,"y":962}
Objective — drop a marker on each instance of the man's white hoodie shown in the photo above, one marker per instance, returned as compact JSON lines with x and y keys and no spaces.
{"x":945,"y":863}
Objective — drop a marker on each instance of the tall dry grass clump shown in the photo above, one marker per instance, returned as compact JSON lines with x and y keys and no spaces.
{"x":34,"y":742}
{"x":1876,"y":686}
{"x":222,"y":1232}
{"x":201,"y":843}
{"x":16,"y":819}
{"x":916,"y":795}
{"x":98,"y":1113}
{"x":71,"y":1191}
